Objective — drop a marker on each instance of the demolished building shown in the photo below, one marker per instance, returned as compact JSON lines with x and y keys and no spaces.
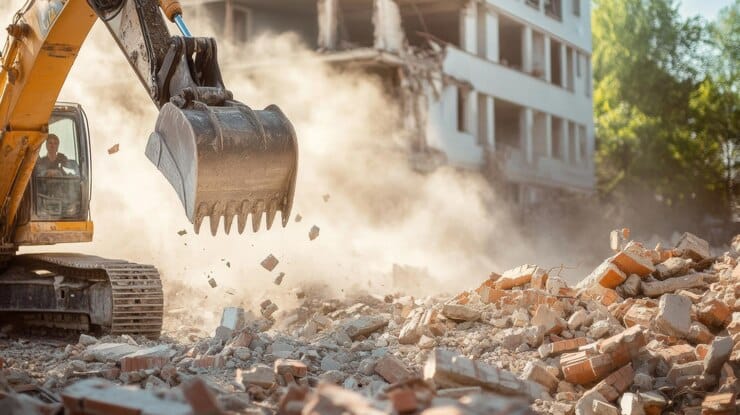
{"x":501,"y":86}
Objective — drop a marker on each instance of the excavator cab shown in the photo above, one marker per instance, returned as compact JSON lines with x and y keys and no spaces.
{"x":61,"y":178}
{"x":56,"y":207}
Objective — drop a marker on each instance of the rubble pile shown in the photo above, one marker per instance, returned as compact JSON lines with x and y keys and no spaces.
{"x":649,"y":331}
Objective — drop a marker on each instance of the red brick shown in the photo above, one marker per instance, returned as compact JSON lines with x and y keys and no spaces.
{"x":577,"y":368}
{"x":404,"y":400}
{"x":680,"y":353}
{"x":630,"y":262}
{"x":200,"y":398}
{"x":296,"y":368}
{"x":243,"y":339}
{"x":715,"y":314}
{"x":638,"y":314}
{"x":516,"y":277}
{"x":208,"y":362}
{"x":568,"y":345}
{"x":618,"y":382}
{"x":136,"y":363}
{"x":392,"y":369}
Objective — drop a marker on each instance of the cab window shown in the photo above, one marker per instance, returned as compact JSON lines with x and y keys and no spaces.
{"x":58,"y":184}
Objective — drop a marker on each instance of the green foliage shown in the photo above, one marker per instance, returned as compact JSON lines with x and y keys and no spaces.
{"x":666,"y":104}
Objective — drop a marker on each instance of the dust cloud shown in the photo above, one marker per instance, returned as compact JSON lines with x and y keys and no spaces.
{"x":379,"y":211}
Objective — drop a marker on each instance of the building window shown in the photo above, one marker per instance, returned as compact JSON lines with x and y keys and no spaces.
{"x":553,"y":8}
{"x":576,"y":7}
{"x":463,"y":110}
{"x":533,"y":3}
{"x":578,"y":64}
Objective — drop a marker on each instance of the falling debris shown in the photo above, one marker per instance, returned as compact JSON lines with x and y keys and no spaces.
{"x":314,"y":233}
{"x":270,"y":262}
{"x":182,"y":232}
{"x":114,"y":149}
{"x":298,"y":218}
{"x":326,"y":197}
{"x":212,"y":282}
{"x":228,"y":264}
{"x":268,"y":308}
{"x":279,"y":278}
{"x":230,"y":291}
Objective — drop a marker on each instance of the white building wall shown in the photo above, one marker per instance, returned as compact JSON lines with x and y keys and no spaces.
{"x":535,"y":161}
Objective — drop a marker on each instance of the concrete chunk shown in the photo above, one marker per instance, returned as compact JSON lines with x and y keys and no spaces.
{"x":449,"y":370}
{"x":460,"y":312}
{"x":364,"y":325}
{"x":658,"y":288}
{"x":536,"y":371}
{"x":392,"y":369}
{"x":693,"y":247}
{"x":674,"y":315}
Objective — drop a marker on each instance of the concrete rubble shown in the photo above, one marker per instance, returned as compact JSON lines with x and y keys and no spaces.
{"x":649,"y":331}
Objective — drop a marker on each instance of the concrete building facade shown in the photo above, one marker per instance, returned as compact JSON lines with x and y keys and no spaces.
{"x":503,"y":86}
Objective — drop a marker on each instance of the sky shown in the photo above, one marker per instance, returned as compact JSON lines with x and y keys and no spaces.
{"x":708,"y":9}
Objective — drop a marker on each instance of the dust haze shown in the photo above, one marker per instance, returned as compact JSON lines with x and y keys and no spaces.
{"x":379,"y":212}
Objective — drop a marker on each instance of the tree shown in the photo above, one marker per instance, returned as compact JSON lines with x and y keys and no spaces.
{"x":655,"y":146}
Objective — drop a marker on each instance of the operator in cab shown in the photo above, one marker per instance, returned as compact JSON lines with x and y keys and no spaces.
{"x":54,"y":162}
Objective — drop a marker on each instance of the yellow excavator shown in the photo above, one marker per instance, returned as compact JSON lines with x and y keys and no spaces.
{"x":223,"y":159}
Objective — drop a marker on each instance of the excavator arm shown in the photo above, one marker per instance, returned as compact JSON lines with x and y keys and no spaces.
{"x":221,"y":157}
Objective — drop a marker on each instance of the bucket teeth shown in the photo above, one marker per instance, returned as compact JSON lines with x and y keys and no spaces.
{"x":199,"y":216}
{"x":216,"y":212}
{"x":231,"y":210}
{"x":285,"y":212}
{"x":271,"y":212}
{"x":242,"y":219}
{"x":259,"y":207}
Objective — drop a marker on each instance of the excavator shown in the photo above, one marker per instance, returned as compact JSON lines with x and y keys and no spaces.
{"x":224,"y":160}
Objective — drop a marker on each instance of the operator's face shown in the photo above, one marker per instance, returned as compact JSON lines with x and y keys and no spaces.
{"x":52,"y":146}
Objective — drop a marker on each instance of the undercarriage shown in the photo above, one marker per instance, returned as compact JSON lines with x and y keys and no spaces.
{"x":81,"y":293}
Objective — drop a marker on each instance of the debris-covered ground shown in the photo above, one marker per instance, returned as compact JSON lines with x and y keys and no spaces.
{"x":650,"y":331}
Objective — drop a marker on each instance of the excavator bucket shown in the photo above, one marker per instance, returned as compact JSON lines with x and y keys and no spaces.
{"x":228,"y":161}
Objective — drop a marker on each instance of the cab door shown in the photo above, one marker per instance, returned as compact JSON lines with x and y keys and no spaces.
{"x":58,"y":198}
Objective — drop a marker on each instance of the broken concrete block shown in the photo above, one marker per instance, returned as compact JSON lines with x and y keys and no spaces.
{"x":233,"y":318}
{"x":578,"y":319}
{"x":679,"y":353}
{"x":631,"y":404}
{"x":108,"y":352}
{"x":270,"y":262}
{"x":313,"y":233}
{"x":516,"y":277}
{"x":460,"y":312}
{"x":673,"y":267}
{"x":607,"y":275}
{"x":631,"y":287}
{"x":98,"y":396}
{"x":679,"y":370}
{"x":392,"y":369}
{"x":658,"y":288}
{"x":449,"y":370}
{"x":87,"y":340}
{"x":674,"y":315}
{"x":693,"y":247}
{"x":364,"y":325}
{"x":585,"y":405}
{"x":603,"y":408}
{"x":536,"y":371}
{"x":548,"y":319}
{"x":719,"y":353}
{"x":715,"y":313}
{"x":259,"y":375}
{"x":151,"y":358}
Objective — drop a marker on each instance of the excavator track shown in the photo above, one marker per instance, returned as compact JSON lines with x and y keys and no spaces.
{"x":123,"y":297}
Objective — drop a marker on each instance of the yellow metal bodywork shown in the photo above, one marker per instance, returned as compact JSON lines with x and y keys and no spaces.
{"x":47,"y":233}
{"x":45,"y":40}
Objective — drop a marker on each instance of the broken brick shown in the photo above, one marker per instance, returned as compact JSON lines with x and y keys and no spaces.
{"x":674,"y":315}
{"x":719,"y":404}
{"x":618,"y":382}
{"x":562,"y":346}
{"x":270,"y":262}
{"x":715,"y":314}
{"x":693,"y":247}
{"x":516,"y":277}
{"x":607,"y":275}
{"x":392,"y":369}
{"x":403,"y":400}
